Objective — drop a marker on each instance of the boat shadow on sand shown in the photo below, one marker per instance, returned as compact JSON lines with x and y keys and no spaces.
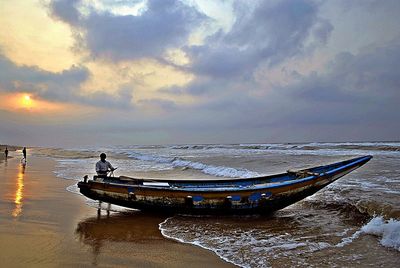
{"x":125,"y":227}
{"x":135,"y":228}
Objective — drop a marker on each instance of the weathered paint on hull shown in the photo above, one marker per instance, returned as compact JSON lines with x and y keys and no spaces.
{"x":234,"y":201}
{"x":212,"y":207}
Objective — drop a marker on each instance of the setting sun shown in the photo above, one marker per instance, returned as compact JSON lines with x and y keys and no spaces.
{"x":27,"y":101}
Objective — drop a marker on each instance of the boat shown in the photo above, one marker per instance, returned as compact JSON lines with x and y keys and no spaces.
{"x":258,"y":195}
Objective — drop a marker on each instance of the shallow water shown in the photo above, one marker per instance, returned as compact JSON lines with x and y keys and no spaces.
{"x":345,"y":224}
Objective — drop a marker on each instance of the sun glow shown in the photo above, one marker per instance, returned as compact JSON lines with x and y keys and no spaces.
{"x":27,"y":101}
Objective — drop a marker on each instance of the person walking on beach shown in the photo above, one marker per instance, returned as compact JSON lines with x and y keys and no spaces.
{"x":103,"y":166}
{"x":24,"y":153}
{"x":6,"y":152}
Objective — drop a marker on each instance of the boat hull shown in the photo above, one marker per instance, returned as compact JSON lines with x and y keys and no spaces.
{"x":262,"y":198}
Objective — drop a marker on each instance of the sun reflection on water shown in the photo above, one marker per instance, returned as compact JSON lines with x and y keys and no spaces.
{"x":19,"y":194}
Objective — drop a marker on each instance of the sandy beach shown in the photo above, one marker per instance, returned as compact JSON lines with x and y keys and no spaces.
{"x":42,"y":224}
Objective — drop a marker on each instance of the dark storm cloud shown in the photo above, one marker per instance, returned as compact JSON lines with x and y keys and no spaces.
{"x":361,"y":87}
{"x":63,"y":86}
{"x":352,"y":87}
{"x":355,"y":91}
{"x":271,"y":33}
{"x":164,"y":24}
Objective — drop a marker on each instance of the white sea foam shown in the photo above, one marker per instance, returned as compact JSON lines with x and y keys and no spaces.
{"x":73,"y":189}
{"x":341,"y":148}
{"x":347,"y":240}
{"x":153,"y":158}
{"x":389,"y":231}
{"x":365,"y":144}
{"x":337,"y":152}
{"x":254,"y":247}
{"x":219,"y":171}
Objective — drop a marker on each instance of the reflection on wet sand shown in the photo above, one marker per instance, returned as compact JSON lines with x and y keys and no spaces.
{"x":19,"y":194}
{"x":133,"y":227}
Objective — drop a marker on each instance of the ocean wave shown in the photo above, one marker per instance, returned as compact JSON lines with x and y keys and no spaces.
{"x":395,"y":146}
{"x":255,"y":245}
{"x":58,"y":153}
{"x":249,"y":246}
{"x":387,"y":230}
{"x":190,"y":147}
{"x":374,"y":207}
{"x":219,"y":171}
{"x":356,"y":208}
{"x":343,"y":146}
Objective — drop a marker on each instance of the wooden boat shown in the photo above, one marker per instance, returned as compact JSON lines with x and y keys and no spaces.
{"x":257,"y":195}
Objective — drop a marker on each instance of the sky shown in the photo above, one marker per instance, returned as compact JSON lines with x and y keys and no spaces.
{"x":104,"y":72}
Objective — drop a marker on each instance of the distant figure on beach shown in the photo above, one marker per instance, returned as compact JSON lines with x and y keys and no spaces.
{"x":103,"y":166}
{"x":24,"y":153}
{"x":6,"y":152}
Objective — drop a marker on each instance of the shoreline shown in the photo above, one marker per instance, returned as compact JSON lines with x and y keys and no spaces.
{"x":11,"y":149}
{"x":44,"y":224}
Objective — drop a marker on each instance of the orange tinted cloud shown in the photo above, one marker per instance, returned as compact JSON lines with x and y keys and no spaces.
{"x":26,"y":102}
{"x":29,"y":36}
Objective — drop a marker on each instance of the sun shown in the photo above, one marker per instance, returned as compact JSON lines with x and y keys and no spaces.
{"x":23,"y":102}
{"x":27,"y":101}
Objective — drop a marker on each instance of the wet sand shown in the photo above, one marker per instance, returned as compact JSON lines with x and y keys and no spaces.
{"x":10,"y":148}
{"x":42,"y":224}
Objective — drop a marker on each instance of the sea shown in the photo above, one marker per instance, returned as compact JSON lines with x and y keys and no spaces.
{"x":354,"y":222}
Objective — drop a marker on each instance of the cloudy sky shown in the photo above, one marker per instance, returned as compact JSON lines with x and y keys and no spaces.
{"x":102,"y":72}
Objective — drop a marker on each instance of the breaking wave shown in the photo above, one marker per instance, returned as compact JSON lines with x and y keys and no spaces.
{"x":305,"y":148}
{"x":359,"y":209}
{"x":245,"y":248}
{"x":255,"y":246}
{"x":219,"y":171}
{"x":387,"y":230}
{"x":251,"y":245}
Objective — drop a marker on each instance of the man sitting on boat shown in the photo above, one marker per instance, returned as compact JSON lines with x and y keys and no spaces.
{"x":103,"y":166}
